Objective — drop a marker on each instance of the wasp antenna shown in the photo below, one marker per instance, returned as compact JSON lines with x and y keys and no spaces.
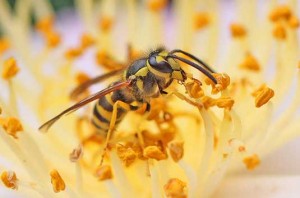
{"x":46,"y":126}
{"x":194,"y":58}
{"x":204,"y":71}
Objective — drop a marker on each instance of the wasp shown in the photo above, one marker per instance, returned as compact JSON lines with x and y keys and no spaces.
{"x":144,"y":79}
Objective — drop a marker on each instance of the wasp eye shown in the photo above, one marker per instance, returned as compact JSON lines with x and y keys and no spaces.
{"x":161,"y":66}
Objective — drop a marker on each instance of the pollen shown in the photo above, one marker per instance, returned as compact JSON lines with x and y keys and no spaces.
{"x":9,"y":179}
{"x":154,"y":152}
{"x":279,"y":32}
{"x":156,"y":5}
{"x":58,"y":183}
{"x":4,"y":45}
{"x":10,"y":68}
{"x":293,"y":22}
{"x":175,"y":188}
{"x":11,"y":125}
{"x":105,"y":60}
{"x":82,"y":77}
{"x":237,"y":30}
{"x":194,"y":89}
{"x":250,"y":63}
{"x":104,"y":173}
{"x":73,"y":53}
{"x":251,"y":162}
{"x":52,"y":38}
{"x":106,"y":23}
{"x":224,"y":102}
{"x":45,"y":25}
{"x":76,"y":154}
{"x":280,"y":12}
{"x":201,"y":20}
{"x":87,"y":41}
{"x":176,"y":150}
{"x":262,"y":95}
{"x":223,"y":81}
{"x":126,"y":154}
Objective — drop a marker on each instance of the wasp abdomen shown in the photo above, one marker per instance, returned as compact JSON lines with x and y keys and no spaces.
{"x":103,"y":109}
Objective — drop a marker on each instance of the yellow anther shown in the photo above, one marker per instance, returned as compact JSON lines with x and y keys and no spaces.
{"x":86,"y":41}
{"x":201,"y":20}
{"x":11,"y":125}
{"x":4,"y":45}
{"x":250,"y":63}
{"x":154,"y":152}
{"x":105,"y":60}
{"x":175,"y":188}
{"x":106,"y":23}
{"x":224,"y":102}
{"x":58,"y":183}
{"x":299,"y":65}
{"x":293,"y":22}
{"x":176,"y":150}
{"x":280,"y":12}
{"x":156,"y":5}
{"x":262,"y":95}
{"x":207,"y":102}
{"x":237,"y":30}
{"x":104,"y":173}
{"x":251,"y":162}
{"x":10,"y":68}
{"x":279,"y":32}
{"x":126,"y":154}
{"x":45,"y":25}
{"x":10,"y":179}
{"x":223,"y":81}
{"x":76,"y":154}
{"x":52,"y":38}
{"x":82,"y":77}
{"x":73,"y":53}
{"x":194,"y":89}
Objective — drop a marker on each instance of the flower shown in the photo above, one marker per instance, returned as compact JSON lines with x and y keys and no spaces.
{"x":188,"y":141}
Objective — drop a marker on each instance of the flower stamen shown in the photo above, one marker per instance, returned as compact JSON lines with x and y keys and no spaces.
{"x":58,"y":183}
{"x":10,"y":179}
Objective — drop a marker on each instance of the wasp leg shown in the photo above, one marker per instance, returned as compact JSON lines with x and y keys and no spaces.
{"x":117,"y":104}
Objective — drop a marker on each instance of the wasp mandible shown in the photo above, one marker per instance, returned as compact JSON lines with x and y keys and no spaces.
{"x":144,"y":79}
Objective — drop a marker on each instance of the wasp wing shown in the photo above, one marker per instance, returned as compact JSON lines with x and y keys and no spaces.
{"x":82,"y":87}
{"x":117,"y":86}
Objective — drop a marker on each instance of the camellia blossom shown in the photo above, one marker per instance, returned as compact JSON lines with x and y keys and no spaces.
{"x":191,"y":138}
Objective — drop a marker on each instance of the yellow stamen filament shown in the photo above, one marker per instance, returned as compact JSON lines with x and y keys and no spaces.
{"x":251,"y":162}
{"x":176,"y":150}
{"x":11,"y":125}
{"x":10,"y":68}
{"x":76,"y":154}
{"x":10,"y":179}
{"x":156,"y":5}
{"x":4,"y":45}
{"x":154,"y":152}
{"x":238,"y":30}
{"x":280,"y":12}
{"x":223,"y":81}
{"x":175,"y":188}
{"x":202,"y":20}
{"x":104,"y":173}
{"x":250,"y":63}
{"x":106,"y":23}
{"x":262,"y":95}
{"x":126,"y":154}
{"x":279,"y":32}
{"x":58,"y":183}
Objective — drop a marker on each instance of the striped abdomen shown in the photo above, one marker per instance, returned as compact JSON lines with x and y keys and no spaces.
{"x":104,"y":107}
